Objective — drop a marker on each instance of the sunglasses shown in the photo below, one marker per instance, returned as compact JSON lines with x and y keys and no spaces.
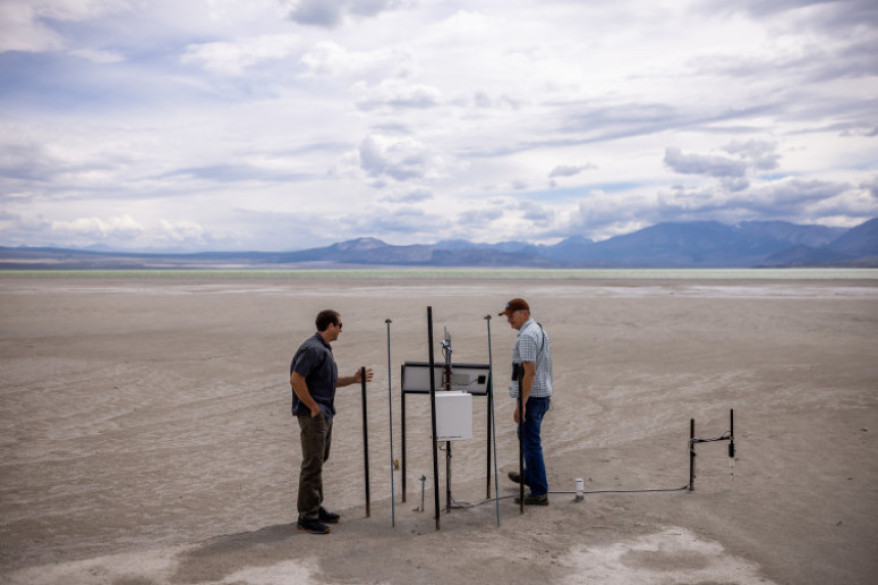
{"x":339,"y":325}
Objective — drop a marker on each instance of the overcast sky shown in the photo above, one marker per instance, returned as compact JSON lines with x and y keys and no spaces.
{"x":288,"y":124}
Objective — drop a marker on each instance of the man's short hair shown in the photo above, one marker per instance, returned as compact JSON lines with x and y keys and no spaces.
{"x":325,"y":319}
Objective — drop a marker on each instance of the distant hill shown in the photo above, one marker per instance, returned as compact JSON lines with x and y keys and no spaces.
{"x":666,"y":245}
{"x":707,"y":244}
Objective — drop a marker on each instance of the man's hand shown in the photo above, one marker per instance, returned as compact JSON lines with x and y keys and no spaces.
{"x":358,"y":377}
{"x":516,"y":417}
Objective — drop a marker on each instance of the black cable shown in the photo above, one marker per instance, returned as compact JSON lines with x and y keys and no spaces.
{"x":626,"y":491}
{"x":725,"y":437}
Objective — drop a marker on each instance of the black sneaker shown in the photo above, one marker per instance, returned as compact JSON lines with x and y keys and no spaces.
{"x":312,"y":526}
{"x":532,"y":500}
{"x":328,"y":517}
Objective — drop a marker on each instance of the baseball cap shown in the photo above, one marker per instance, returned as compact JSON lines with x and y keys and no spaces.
{"x":515,"y":305}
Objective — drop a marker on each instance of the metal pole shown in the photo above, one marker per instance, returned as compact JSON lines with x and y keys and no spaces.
{"x":492,"y":436}
{"x":732,"y":433}
{"x":489,"y":417}
{"x":691,"y":454}
{"x":520,"y":436}
{"x":390,"y":411}
{"x":365,"y":437}
{"x":402,"y":428}
{"x":446,"y":386}
{"x":433,"y":412}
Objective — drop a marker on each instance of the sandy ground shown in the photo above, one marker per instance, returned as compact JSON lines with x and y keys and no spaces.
{"x":146,"y":435}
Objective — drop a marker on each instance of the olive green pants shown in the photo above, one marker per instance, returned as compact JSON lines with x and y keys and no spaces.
{"x":316,"y":437}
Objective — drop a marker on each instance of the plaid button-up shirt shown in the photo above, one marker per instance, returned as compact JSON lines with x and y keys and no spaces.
{"x":533,"y":345}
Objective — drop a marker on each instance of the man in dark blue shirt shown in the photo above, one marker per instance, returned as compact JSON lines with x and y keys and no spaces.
{"x":314,"y":379}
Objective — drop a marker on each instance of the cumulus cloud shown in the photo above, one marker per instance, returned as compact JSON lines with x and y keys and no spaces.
{"x":118,"y":228}
{"x":401,"y":159}
{"x":414,"y":196}
{"x":828,"y":12}
{"x":24,"y":24}
{"x":761,"y":154}
{"x":98,"y":56}
{"x":569,"y":170}
{"x":452,"y":111}
{"x":26,"y":160}
{"x":790,"y":199}
{"x":123,"y":231}
{"x":401,"y":220}
{"x":763,"y":7}
{"x":537,"y":214}
{"x":483,"y":100}
{"x":734,"y":184}
{"x":234,"y":58}
{"x":332,"y":59}
{"x":231,"y":173}
{"x":475,"y":221}
{"x":396,"y":94}
{"x":181,"y":231}
{"x":599,"y":215}
{"x":331,"y":13}
{"x":791,"y":195}
{"x":700,"y":164}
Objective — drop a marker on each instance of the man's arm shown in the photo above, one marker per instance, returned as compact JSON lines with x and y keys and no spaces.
{"x":527,"y":384}
{"x":355,"y":379}
{"x":300,"y":387}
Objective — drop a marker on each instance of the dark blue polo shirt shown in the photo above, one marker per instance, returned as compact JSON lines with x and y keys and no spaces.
{"x":315,"y":363}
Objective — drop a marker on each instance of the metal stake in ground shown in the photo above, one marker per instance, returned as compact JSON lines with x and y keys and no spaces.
{"x":691,"y":454}
{"x":365,"y":437}
{"x":520,"y":376}
{"x":492,"y":433}
{"x":390,"y":410}
{"x":433,"y":411}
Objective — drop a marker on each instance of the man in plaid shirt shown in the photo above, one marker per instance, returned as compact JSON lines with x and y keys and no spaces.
{"x":532,"y":360}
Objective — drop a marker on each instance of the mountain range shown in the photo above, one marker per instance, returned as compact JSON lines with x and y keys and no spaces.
{"x":665,"y":245}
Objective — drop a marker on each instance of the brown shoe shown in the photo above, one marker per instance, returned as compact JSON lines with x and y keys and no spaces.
{"x":514,"y":476}
{"x":532,"y":500}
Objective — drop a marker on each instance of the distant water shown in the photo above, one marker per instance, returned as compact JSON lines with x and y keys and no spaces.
{"x":470,"y":274}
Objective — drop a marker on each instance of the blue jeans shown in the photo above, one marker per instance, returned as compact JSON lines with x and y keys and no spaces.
{"x":534,"y":473}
